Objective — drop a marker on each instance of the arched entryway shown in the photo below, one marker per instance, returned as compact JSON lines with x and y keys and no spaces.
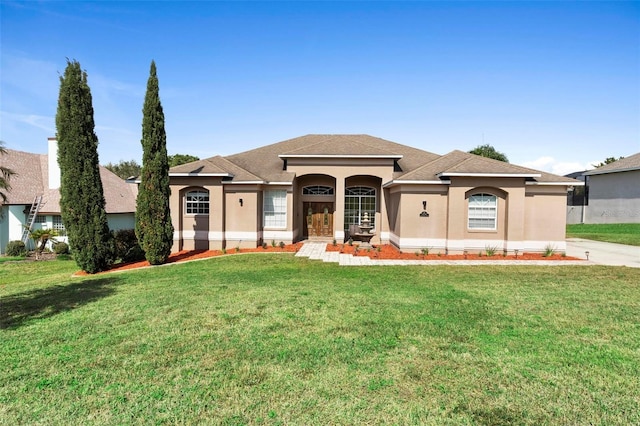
{"x":361,"y":195}
{"x":317,"y":198}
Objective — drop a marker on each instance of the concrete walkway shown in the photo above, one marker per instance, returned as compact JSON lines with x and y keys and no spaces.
{"x":604,"y":253}
{"x":317,"y":251}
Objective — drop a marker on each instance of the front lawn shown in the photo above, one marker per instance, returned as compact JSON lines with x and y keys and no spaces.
{"x":621,"y":233}
{"x":273,"y":339}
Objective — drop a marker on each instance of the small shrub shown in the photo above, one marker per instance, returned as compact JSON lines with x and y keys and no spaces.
{"x":273,"y":243}
{"x":264,"y":245}
{"x":334,"y":242}
{"x":491,"y":251}
{"x":350,"y":242}
{"x":281,"y":244}
{"x":127,"y":247}
{"x":425,"y":251}
{"x":16,"y":248}
{"x":237,"y":249}
{"x":61,"y":248}
{"x":417,"y":253}
{"x":549,"y":250}
{"x":224,"y":251}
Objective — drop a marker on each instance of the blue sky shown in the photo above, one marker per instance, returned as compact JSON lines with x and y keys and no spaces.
{"x":553,"y":85}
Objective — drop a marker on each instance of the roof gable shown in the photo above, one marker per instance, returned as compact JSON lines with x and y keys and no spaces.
{"x":459,"y":163}
{"x":267,"y":162}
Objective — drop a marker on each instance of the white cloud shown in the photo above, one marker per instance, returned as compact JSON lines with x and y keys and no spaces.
{"x":38,"y":121}
{"x":552,"y":165}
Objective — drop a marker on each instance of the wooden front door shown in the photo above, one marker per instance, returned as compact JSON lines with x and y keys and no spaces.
{"x":319,"y":219}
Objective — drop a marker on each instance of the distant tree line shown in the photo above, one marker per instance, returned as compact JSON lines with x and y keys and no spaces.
{"x":130,"y":168}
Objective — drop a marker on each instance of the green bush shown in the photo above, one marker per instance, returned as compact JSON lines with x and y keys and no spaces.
{"x":127,"y":247}
{"x":61,"y":248}
{"x":16,"y":248}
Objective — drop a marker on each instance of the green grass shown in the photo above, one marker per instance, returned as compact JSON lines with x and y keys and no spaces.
{"x":621,"y":233}
{"x":272,"y":339}
{"x":10,"y":258}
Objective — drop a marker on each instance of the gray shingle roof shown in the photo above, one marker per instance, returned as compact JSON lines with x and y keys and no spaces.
{"x":631,"y":162}
{"x":32,"y":179}
{"x":266,"y":163}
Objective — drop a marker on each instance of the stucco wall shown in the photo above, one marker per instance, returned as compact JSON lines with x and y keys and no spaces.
{"x":411,"y":228}
{"x":614,"y":198}
{"x":197,"y":231}
{"x":545,"y":219}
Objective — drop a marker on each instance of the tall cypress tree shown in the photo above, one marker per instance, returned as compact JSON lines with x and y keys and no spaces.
{"x":153,"y":220}
{"x":82,"y":201}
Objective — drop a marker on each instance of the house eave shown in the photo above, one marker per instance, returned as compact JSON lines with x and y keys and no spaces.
{"x":606,"y":172}
{"x":351,"y":156}
{"x":496,"y":175}
{"x":555,"y":183}
{"x":195,"y":174}
{"x":415,"y":182}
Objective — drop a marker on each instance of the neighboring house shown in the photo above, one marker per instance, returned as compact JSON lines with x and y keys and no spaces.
{"x":613,"y":192}
{"x":38,"y":175}
{"x":321,"y":186}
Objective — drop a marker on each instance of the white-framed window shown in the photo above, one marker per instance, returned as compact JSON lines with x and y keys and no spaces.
{"x":58,"y":226}
{"x":359,"y":200}
{"x":197,"y":202}
{"x":483,"y":211}
{"x":275,"y":209}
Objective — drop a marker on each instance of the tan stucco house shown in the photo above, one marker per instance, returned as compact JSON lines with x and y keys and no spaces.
{"x":34,"y":198}
{"x":323,"y":186}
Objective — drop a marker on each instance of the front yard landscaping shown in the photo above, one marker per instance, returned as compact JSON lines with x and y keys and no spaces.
{"x":274,"y":339}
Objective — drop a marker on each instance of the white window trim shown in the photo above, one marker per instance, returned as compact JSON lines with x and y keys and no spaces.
{"x":494,"y":208}
{"x":279,"y":211}
{"x":186,"y":202}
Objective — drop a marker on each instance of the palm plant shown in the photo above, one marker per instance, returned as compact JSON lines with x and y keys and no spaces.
{"x":5,"y":176}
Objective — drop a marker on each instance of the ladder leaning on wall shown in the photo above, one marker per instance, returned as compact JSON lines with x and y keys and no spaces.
{"x":31,"y":219}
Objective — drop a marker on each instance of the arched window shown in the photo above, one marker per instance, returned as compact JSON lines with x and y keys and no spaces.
{"x":357,"y":201}
{"x":317,"y":190}
{"x":483,"y":211}
{"x":197,"y":202}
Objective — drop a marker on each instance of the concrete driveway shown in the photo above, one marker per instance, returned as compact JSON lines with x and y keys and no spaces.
{"x":604,"y":253}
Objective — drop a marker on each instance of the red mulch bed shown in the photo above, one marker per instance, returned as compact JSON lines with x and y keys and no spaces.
{"x":184,"y":256}
{"x":388,"y":251}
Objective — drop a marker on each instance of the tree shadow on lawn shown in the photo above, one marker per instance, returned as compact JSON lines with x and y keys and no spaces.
{"x":47,"y":302}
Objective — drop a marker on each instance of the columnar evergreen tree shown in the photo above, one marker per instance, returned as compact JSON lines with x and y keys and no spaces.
{"x":82,"y":201}
{"x":153,"y":221}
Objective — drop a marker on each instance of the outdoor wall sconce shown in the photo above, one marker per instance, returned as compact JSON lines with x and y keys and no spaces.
{"x":587,"y":254}
{"x":424,"y":210}
{"x":241,"y":202}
